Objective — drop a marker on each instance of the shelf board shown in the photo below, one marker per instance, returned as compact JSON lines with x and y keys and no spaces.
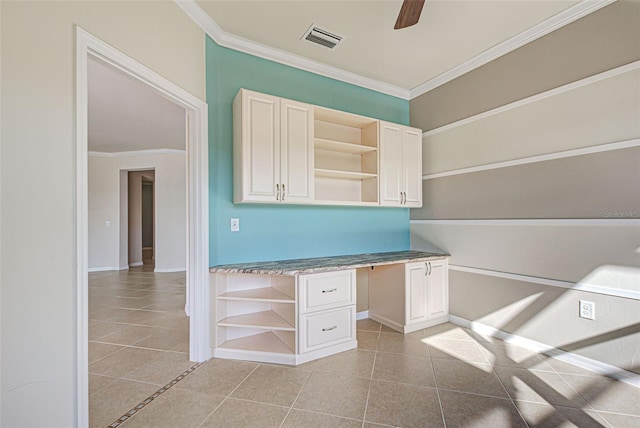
{"x":267,"y":294}
{"x":265,"y":320}
{"x":263,"y":342}
{"x":350,"y":175}
{"x":342,"y":147}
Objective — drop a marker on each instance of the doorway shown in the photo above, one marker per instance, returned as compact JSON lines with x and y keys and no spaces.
{"x":141,"y":213}
{"x":197,"y":277}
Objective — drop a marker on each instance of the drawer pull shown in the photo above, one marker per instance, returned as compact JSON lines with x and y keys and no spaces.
{"x":330,"y":291}
{"x":330,"y":328}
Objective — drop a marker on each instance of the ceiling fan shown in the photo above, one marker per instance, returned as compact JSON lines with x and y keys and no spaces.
{"x":409,"y":14}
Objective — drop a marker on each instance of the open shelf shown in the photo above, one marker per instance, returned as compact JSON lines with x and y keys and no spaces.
{"x":266,"y":320}
{"x":263,"y":342}
{"x":342,"y":147}
{"x":350,"y":175}
{"x":267,"y":294}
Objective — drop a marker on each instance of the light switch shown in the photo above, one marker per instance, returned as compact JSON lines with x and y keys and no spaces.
{"x":235,"y":224}
{"x":107,"y":223}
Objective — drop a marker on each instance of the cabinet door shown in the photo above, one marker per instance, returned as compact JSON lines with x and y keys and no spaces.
{"x":391,"y":159}
{"x":296,"y":152}
{"x":412,"y":163}
{"x":416,"y":293}
{"x":260,"y":147}
{"x":437,"y":289}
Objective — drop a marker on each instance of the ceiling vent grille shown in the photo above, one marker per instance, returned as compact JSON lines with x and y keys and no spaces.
{"x":322,"y":37}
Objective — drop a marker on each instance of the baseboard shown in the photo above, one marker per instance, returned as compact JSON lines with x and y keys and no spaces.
{"x":166,"y":270}
{"x":134,"y":264}
{"x":386,"y":321}
{"x":106,"y":268}
{"x":553,"y":352}
{"x":362,"y":315}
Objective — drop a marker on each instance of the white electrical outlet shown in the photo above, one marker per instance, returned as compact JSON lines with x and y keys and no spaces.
{"x":235,"y":225}
{"x":587,"y":310}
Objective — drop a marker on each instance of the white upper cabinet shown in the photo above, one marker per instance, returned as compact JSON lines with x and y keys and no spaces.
{"x":272,"y":149}
{"x":400,"y":165}
{"x":290,"y":152}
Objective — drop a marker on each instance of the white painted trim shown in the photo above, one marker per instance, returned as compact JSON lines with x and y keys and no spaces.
{"x":197,"y":200}
{"x":547,"y":94}
{"x":134,"y":264}
{"x":563,"y":18}
{"x":137,"y":153}
{"x":541,"y":158}
{"x":536,"y":222}
{"x":558,"y":354}
{"x":363,"y":315}
{"x":280,"y":358}
{"x":231,"y":41}
{"x":168,"y":270}
{"x":579,"y":286}
{"x":107,"y":268}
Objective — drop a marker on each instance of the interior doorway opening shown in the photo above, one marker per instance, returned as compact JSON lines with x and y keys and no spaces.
{"x":141,"y":214}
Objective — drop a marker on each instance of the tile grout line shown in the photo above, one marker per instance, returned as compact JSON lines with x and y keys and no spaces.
{"x":435,"y":379}
{"x":296,"y":400}
{"x":229,"y":396}
{"x":122,"y":419}
{"x":373,"y":367}
{"x":513,"y":403}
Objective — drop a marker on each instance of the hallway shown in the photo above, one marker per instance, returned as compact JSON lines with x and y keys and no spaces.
{"x":138,"y":338}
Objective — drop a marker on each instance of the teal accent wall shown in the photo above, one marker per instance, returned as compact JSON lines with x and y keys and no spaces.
{"x":279,"y":232}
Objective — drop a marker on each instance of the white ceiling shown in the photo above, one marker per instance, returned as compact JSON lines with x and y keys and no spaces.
{"x":126,"y":114}
{"x":449,"y":33}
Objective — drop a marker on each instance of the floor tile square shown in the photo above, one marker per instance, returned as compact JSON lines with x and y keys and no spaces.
{"x":403,"y":405}
{"x":245,"y":414}
{"x":218,"y":377}
{"x":467,"y":410}
{"x":272,"y":385}
{"x":403,"y":368}
{"x":462,"y":376}
{"x":335,"y":395}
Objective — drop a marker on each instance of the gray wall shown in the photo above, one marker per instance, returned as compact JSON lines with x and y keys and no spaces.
{"x":548,"y":188}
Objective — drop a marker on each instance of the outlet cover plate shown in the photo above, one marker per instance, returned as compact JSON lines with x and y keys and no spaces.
{"x":587,"y":310}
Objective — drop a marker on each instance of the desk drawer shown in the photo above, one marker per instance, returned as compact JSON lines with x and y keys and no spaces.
{"x":326,"y":328}
{"x":327,"y":290}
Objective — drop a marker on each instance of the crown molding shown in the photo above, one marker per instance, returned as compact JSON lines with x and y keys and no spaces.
{"x":231,"y":41}
{"x":563,"y":18}
{"x":137,"y":153}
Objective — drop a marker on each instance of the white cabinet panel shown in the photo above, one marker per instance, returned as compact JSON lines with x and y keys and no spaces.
{"x":416,"y":293}
{"x":326,"y":328}
{"x":437,"y":289}
{"x":327,"y":290}
{"x":272,"y":149}
{"x":400,"y":165}
{"x":296,"y":151}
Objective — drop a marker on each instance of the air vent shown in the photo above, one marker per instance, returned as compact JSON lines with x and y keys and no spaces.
{"x":321,"y":37}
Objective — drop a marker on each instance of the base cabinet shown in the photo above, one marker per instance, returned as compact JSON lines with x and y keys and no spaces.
{"x":285,"y":319}
{"x":410,"y":297}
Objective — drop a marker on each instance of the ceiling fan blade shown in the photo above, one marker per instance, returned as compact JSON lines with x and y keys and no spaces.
{"x":409,"y":14}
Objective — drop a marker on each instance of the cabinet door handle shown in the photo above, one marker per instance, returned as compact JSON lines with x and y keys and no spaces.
{"x":283,"y":192}
{"x":404,"y":198}
{"x":330,"y":328}
{"x":429,"y":268}
{"x":426,"y":268}
{"x":330,"y":291}
{"x":277,"y":192}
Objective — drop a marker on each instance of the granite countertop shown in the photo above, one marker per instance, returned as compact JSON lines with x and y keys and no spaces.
{"x":325,"y":264}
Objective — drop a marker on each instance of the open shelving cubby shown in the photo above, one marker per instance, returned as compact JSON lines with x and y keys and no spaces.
{"x":256,"y":313}
{"x":346,"y":158}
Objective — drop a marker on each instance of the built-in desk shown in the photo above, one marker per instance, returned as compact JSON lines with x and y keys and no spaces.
{"x":294,"y":311}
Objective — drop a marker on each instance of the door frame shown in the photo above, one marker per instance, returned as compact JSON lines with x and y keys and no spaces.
{"x":197,"y":284}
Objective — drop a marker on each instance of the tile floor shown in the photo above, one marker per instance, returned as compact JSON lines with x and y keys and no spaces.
{"x":441,"y":376}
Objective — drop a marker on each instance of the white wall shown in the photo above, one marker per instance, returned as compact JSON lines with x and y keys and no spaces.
{"x":37,"y":265}
{"x":105,"y":244}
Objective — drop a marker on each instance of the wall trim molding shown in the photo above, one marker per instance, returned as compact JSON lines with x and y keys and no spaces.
{"x":167,"y":270}
{"x":147,"y":152}
{"x":579,"y":286}
{"x":134,"y":264}
{"x":553,"y":23}
{"x":535,"y":222}
{"x":362,"y":315}
{"x":537,"y":97}
{"x":553,"y":352}
{"x":540,"y":158}
{"x":231,"y":41}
